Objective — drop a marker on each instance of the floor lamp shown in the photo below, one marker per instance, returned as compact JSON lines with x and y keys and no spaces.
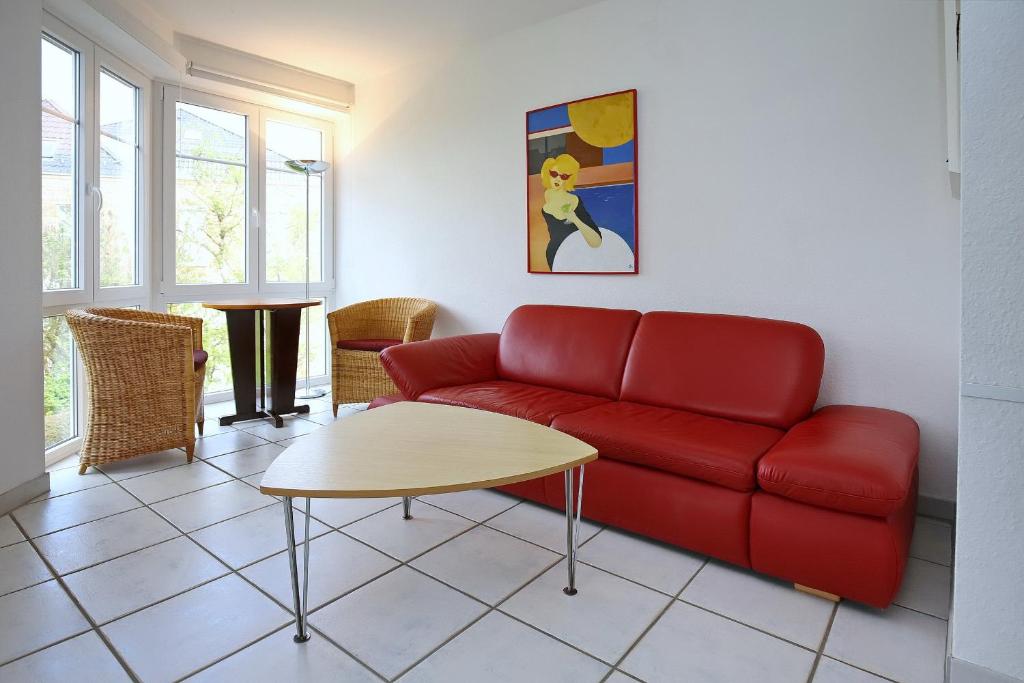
{"x":306,"y":167}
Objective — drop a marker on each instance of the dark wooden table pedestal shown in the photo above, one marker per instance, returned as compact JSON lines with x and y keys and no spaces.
{"x":246,"y":325}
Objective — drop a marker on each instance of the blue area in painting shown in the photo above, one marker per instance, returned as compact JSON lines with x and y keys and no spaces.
{"x":611,"y":207}
{"x":546,"y":119}
{"x":617,"y":155}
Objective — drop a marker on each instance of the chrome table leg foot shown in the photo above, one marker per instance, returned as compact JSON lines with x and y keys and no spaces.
{"x":406,"y":507}
{"x":301,"y":633}
{"x":572,"y":528}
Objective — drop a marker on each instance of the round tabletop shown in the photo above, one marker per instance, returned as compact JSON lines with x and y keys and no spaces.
{"x":260,"y":304}
{"x":411,"y":449}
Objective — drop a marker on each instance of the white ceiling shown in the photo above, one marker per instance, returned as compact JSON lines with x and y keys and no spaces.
{"x":353,"y":40}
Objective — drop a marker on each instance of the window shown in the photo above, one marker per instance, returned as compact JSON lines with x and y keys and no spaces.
{"x":210,"y":194}
{"x":239,"y":216}
{"x":120,"y":153}
{"x":93,"y":209}
{"x":60,"y":158}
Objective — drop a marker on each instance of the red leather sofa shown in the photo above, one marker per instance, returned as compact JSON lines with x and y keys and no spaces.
{"x":707,"y":435}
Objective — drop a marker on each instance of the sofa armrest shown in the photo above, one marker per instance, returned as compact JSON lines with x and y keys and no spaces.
{"x":850,"y":458}
{"x":420,"y":366}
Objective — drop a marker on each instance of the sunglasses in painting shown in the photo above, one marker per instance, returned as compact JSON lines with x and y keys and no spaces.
{"x":555,"y":174}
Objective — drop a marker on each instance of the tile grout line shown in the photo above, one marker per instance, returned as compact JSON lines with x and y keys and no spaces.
{"x":821,"y":645}
{"x":81,"y":609}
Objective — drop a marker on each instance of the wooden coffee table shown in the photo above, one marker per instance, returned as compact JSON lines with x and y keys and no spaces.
{"x":411,"y":449}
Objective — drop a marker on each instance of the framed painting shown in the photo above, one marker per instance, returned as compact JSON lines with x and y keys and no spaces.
{"x":581,"y":186}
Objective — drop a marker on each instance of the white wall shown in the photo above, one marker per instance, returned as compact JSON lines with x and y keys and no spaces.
{"x":988,"y":612}
{"x":21,"y":418}
{"x":791,"y":166}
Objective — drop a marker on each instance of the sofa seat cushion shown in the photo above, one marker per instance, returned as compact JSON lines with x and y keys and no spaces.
{"x":849,"y":458}
{"x":711,"y":449}
{"x":199,"y":358}
{"x":526,"y":401}
{"x":377,"y":345}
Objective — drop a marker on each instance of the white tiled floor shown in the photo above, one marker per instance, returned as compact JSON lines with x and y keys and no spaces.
{"x":166,"y":571}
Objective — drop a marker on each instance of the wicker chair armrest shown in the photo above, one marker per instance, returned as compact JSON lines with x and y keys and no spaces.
{"x":351,"y":322}
{"x":420,"y":324}
{"x":131,"y":314}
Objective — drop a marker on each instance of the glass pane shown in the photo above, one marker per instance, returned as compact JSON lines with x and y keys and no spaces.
{"x":286,"y":204}
{"x":317,"y":342}
{"x":210,"y":223}
{"x":286,"y":227}
{"x":119,"y":182}
{"x":210,"y":133}
{"x":59,"y":167}
{"x":215,"y":343}
{"x":59,"y":422}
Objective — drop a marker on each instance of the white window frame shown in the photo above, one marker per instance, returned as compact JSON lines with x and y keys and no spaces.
{"x":91,"y":60}
{"x":170,"y":292}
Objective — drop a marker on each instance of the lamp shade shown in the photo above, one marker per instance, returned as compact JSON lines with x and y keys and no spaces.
{"x":307,"y":165}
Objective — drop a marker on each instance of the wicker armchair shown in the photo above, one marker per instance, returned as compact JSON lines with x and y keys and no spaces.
{"x":356,"y":373}
{"x":145,"y":384}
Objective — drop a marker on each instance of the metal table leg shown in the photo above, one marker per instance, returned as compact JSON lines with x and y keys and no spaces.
{"x":406,"y":507}
{"x":301,"y":633}
{"x":572,"y":528}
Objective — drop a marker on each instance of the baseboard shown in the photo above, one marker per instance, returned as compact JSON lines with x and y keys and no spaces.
{"x":937,"y":507}
{"x":962,"y":671}
{"x":23,"y":493}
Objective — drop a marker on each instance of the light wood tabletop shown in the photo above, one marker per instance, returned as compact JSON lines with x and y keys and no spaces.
{"x":411,"y":449}
{"x":260,"y":304}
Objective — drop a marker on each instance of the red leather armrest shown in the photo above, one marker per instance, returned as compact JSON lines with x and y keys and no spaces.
{"x":450,"y":361}
{"x":849,"y":458}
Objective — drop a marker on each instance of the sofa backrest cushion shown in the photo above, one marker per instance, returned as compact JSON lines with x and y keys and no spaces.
{"x":567,"y":347}
{"x":749,"y":369}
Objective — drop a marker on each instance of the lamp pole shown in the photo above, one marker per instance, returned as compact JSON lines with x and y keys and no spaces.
{"x":306,"y":167}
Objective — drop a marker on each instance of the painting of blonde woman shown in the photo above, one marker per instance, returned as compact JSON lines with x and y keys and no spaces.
{"x":581,"y":186}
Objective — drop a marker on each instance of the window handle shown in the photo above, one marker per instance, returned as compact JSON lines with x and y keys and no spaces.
{"x":97,"y":194}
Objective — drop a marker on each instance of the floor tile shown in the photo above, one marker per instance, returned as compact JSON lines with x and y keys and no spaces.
{"x":212,"y":427}
{"x":104,"y":539}
{"x":394,"y":621}
{"x":54,"y":514}
{"x":64,"y":463}
{"x":485,"y":563}
{"x":603,"y":618}
{"x":113,"y":589}
{"x":321,"y":418}
{"x":144,"y":464}
{"x":36,"y":617}
{"x":926,"y":588}
{"x":292,"y":427}
{"x":254,"y":480}
{"x":83,"y":659}
{"x":21,"y":567}
{"x":406,"y":538}
{"x":277,"y":658}
{"x":252,"y":536}
{"x":288,"y":442}
{"x":249,"y":461}
{"x":228,"y":442}
{"x":831,"y":671}
{"x":689,"y":643}
{"x":175,"y":481}
{"x":500,"y":649}
{"x":338,"y":512}
{"x":176,"y":637}
{"x":932,"y":540}
{"x":897,"y":643}
{"x":69,"y":480}
{"x":209,"y":506}
{"x":642,"y":560}
{"x":619,"y":677}
{"x":219,"y":409}
{"x":337,"y":564}
{"x":477,"y":504}
{"x":540,"y":525}
{"x":761,"y":602}
{"x":9,"y":532}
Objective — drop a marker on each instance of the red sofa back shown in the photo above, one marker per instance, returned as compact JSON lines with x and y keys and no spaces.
{"x":567,"y":347}
{"x":749,"y":369}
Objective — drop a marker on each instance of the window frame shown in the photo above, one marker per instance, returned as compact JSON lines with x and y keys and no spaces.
{"x":91,"y":60}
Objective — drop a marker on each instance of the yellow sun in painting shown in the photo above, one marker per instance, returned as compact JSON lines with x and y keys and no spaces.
{"x":604,"y":121}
